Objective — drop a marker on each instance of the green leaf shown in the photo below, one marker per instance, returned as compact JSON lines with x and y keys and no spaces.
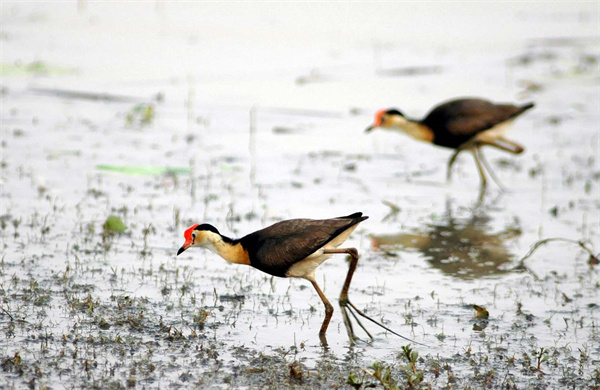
{"x":114,"y":224}
{"x":414,"y":355}
{"x":354,"y":381}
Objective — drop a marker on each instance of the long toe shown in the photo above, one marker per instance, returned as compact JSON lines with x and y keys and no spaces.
{"x":348,"y":324}
{"x":348,"y":307}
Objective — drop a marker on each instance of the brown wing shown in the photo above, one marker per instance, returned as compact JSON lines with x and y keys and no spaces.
{"x":276,"y":248}
{"x":457,"y":121}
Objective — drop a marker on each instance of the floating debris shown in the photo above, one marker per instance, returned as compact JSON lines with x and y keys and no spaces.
{"x":140,"y":115}
{"x":481,"y":312}
{"x":84,"y":95}
{"x":410,"y":71}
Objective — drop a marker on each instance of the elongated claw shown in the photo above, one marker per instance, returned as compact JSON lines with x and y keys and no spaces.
{"x":348,"y":307}
{"x":348,"y":324}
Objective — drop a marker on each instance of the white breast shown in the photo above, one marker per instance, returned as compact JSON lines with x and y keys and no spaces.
{"x":493,"y":133}
{"x":306,"y":268}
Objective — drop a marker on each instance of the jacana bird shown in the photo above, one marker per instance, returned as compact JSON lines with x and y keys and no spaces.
{"x":291,"y":249}
{"x":461,"y":124}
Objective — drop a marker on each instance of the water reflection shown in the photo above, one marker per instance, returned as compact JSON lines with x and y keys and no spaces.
{"x":465,"y":247}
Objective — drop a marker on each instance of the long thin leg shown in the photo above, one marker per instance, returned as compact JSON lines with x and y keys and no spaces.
{"x":451,"y":162}
{"x":345,"y":303}
{"x":353,"y":263}
{"x":506,"y":145}
{"x":344,"y":294}
{"x":474,"y":146}
{"x":328,"y":307}
{"x":466,"y":146}
{"x":490,"y":171}
{"x":476,"y":154}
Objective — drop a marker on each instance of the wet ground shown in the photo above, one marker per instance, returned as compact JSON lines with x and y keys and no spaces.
{"x":241,"y":115}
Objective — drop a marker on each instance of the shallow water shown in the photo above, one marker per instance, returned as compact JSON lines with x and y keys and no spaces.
{"x":262,"y":108}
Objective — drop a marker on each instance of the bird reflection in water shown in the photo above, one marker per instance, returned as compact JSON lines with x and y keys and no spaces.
{"x":461,"y":247}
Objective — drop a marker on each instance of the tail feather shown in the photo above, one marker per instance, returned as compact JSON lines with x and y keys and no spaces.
{"x":357,"y":215}
{"x":527,"y":106}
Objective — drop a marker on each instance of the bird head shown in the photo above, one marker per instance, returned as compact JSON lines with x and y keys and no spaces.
{"x":197,"y":235}
{"x":387,"y":118}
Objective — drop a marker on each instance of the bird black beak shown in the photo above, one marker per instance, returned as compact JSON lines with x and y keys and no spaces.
{"x":369,"y":129}
{"x":186,"y":244}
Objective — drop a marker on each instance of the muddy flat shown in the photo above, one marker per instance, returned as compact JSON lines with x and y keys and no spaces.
{"x":124,"y":124}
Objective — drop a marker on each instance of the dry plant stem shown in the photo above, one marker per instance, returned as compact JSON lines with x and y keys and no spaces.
{"x":7,"y":313}
{"x":369,"y":373}
{"x":581,"y":243}
{"x":522,"y":265}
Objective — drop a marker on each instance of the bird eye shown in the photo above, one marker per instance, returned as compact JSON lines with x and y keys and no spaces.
{"x":193,"y":236}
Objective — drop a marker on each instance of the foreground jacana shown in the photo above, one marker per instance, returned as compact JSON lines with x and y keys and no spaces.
{"x":461,"y":124}
{"x":294,"y":249}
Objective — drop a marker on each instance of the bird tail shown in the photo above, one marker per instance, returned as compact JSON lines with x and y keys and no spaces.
{"x":357,"y":215}
{"x":527,"y":106}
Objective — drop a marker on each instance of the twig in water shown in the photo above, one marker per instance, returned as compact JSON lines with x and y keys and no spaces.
{"x":582,"y":244}
{"x":7,"y":313}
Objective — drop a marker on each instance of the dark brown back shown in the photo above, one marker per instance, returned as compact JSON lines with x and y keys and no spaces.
{"x":276,"y":248}
{"x":455,"y":122}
